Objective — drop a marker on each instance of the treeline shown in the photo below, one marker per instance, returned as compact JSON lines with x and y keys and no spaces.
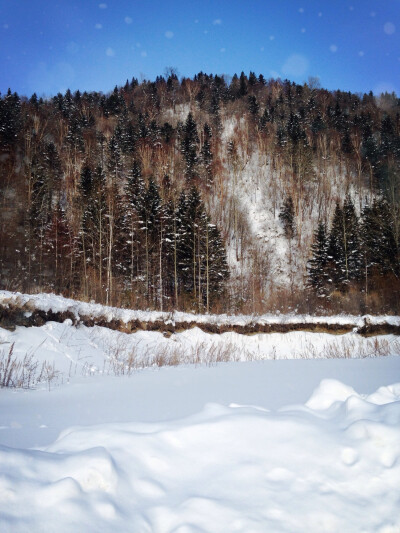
{"x":148,"y":250}
{"x":128,"y":197}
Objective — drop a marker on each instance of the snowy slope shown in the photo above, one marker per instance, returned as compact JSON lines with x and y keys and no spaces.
{"x":260,"y":190}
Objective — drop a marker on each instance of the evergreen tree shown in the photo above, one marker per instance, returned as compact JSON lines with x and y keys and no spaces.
{"x":202,"y":260}
{"x":318,"y":277}
{"x":74,"y":137}
{"x":242,"y":85}
{"x":115,"y":161}
{"x":287,"y":217}
{"x":379,"y":247}
{"x":10,"y":118}
{"x":254,"y":106}
{"x":189,"y":147}
{"x":344,"y":245}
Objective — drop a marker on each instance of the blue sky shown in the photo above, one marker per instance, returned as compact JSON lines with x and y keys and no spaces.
{"x":47,"y":47}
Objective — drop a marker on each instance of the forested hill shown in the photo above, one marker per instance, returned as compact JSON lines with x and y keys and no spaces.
{"x":202,"y":195}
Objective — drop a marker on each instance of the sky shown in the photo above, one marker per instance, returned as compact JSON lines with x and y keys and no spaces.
{"x":49,"y":46}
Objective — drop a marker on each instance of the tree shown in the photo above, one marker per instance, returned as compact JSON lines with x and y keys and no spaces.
{"x":10,"y":118}
{"x":344,"y":245}
{"x":60,"y":251}
{"x":189,"y":147}
{"x":202,"y":260}
{"x":135,"y":192}
{"x":93,"y":231}
{"x":318,"y":277}
{"x":379,"y":247}
{"x":287,"y":217}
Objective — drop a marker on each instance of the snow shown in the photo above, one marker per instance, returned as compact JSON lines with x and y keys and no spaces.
{"x":258,"y":185}
{"x":60,"y":304}
{"x":207,"y":449}
{"x":297,"y":432}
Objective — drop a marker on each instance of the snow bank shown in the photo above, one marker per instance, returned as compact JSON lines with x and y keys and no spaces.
{"x":66,"y":351}
{"x":331,"y":465}
{"x":51,"y":303}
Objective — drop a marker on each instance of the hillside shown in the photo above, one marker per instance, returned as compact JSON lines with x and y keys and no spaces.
{"x":201,"y":195}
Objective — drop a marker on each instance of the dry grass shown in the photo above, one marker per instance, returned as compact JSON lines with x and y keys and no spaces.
{"x":352,"y":348}
{"x":24,"y":373}
{"x":121,"y":361}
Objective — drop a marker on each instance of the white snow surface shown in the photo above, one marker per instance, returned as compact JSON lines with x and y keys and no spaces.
{"x":282,"y":439}
{"x":57,"y":303}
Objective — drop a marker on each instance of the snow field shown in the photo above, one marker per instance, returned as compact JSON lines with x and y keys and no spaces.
{"x":293,"y":432}
{"x":329,"y":465}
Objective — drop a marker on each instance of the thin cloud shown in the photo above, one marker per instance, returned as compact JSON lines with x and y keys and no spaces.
{"x":128,"y":20}
{"x":217,"y":22}
{"x":110,"y":52}
{"x":169,"y":34}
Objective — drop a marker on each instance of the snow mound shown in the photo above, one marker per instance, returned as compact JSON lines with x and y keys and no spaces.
{"x":331,"y":391}
{"x":236,"y":468}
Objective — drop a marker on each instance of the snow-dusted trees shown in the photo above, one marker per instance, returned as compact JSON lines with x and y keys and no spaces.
{"x":125,"y":233}
{"x":356,"y":253}
{"x":189,"y":147}
{"x":202,"y":260}
{"x":336,"y":260}
{"x":10,"y":119}
{"x":94,"y":228}
{"x":344,"y":244}
{"x":317,"y":267}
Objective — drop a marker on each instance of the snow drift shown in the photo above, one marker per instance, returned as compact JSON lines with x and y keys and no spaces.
{"x":329,"y":465}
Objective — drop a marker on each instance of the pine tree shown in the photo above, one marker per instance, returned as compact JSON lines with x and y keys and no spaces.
{"x":344,"y":245}
{"x":201,"y":254}
{"x":242,"y":85}
{"x":379,"y":247}
{"x":74,"y":137}
{"x":254,"y":106}
{"x":287,"y":217}
{"x":189,"y":147}
{"x":318,"y":277}
{"x":115,"y":161}
{"x":10,"y":118}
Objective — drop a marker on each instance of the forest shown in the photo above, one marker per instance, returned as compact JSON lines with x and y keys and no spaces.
{"x":211,"y":194}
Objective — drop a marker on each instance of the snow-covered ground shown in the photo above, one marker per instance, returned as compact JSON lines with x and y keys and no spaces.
{"x":234,"y":447}
{"x":298,"y":432}
{"x":78,"y":309}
